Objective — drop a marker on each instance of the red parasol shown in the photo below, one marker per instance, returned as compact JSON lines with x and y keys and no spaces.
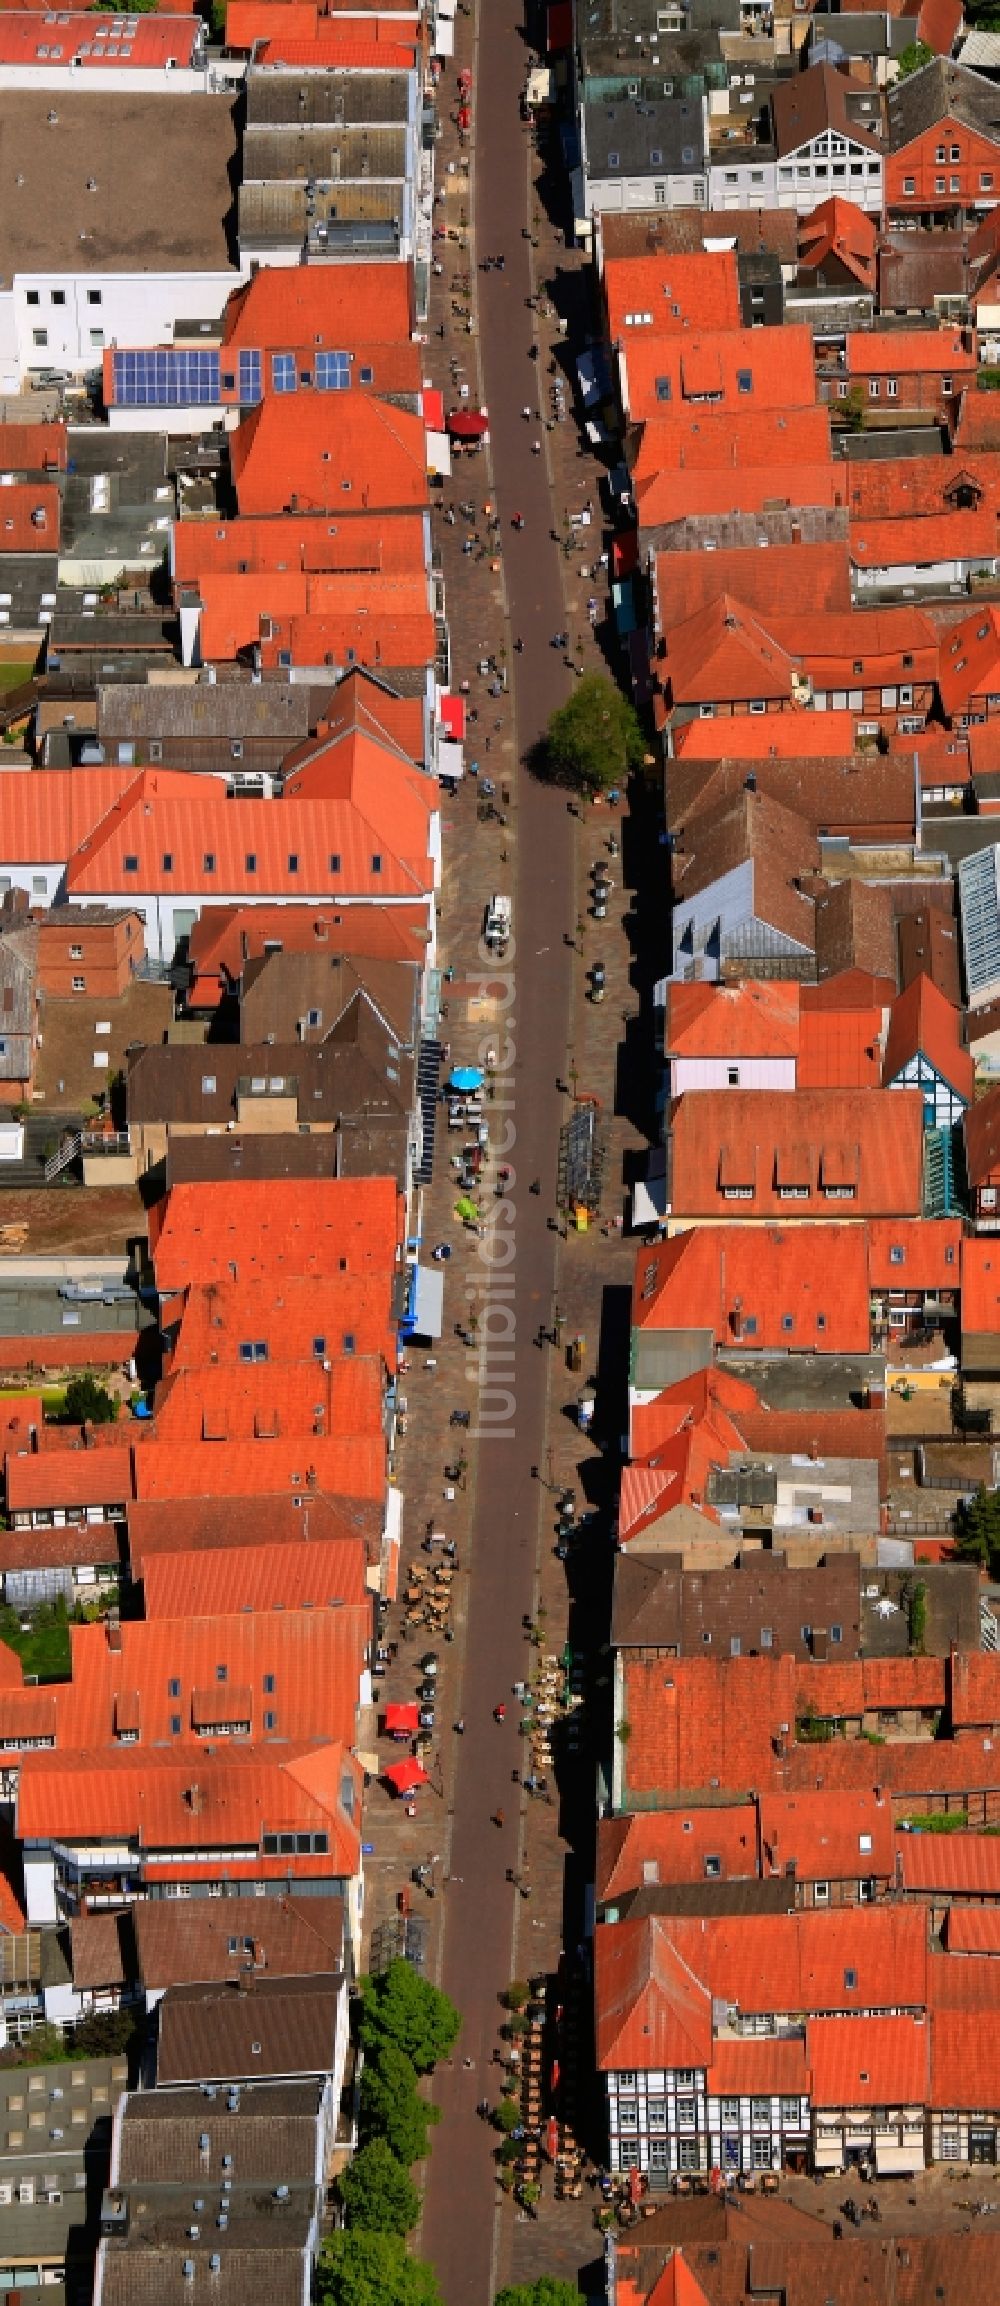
{"x":552,"y":2137}
{"x":403,"y":1776}
{"x":402,"y":1720}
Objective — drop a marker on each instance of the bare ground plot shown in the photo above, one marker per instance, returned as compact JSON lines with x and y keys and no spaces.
{"x":72,"y":1222}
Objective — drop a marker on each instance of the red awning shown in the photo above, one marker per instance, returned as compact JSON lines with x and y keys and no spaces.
{"x":451,"y":713}
{"x":403,"y":1776}
{"x":559,"y":32}
{"x":625,"y":553}
{"x":468,"y":423}
{"x":402,"y":1720}
{"x":432,"y":407}
{"x":464,"y":116}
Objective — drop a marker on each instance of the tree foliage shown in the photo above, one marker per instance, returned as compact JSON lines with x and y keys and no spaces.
{"x":365,"y":2269}
{"x":88,"y":1403}
{"x":547,"y":2291}
{"x":377,"y":2192}
{"x":390,"y":2106}
{"x":913,"y":58}
{"x":594,"y":739}
{"x":406,"y":2010}
{"x":978,"y":1537}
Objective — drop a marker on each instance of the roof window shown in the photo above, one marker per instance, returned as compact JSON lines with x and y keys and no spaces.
{"x":130,"y":864}
{"x":850,"y":1981}
{"x":208,"y":861}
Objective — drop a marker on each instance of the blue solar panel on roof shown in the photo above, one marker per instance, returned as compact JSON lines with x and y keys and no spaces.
{"x":166,"y":378}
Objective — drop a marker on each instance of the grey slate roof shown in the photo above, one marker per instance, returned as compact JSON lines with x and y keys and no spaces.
{"x":271,"y":2134}
{"x":941,"y":91}
{"x":666,"y":138}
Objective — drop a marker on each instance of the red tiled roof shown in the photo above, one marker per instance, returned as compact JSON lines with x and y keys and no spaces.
{"x":334,"y":1397}
{"x":194,"y":1801}
{"x":868,"y":1144}
{"x":384,"y":639}
{"x":338,"y":1467}
{"x":68,"y":1477}
{"x":760,"y":581}
{"x":748,"y":1019}
{"x":741,"y":1282}
{"x":336,"y":304}
{"x":975,"y":1689}
{"x":722,"y":654}
{"x":924,"y":1024}
{"x":302,"y":1326}
{"x":900,"y":544}
{"x":191,"y":1526}
{"x":652,"y":2011}
{"x":980,"y":1304}
{"x":703,"y":374}
{"x":249,"y":848}
{"x":249,"y":1230}
{"x":849,"y":989}
{"x":839,"y":1049}
{"x":964,"y":2056}
{"x":287,"y":456}
{"x":694,"y":1722}
{"x":668,"y":492}
{"x":225,"y":936}
{"x":313,"y":1574}
{"x":939,"y":23}
{"x":312,"y":1658}
{"x":909,"y":352}
{"x":87,"y":39}
{"x":918,"y":487}
{"x":865,"y":647}
{"x":667,"y":1846}
{"x":972,"y":1929}
{"x":981,"y":1128}
{"x":837,"y":228}
{"x":307,"y":544}
{"x":970,"y":658}
{"x":712,"y":1394}
{"x":33,"y":447}
{"x":848,"y":1837}
{"x":949,"y":1865}
{"x":670,"y":293}
{"x":801,"y":735}
{"x":45,"y":816}
{"x":925,"y":1253}
{"x":705,"y":440}
{"x":885,"y":2061}
{"x":332,"y":46}
{"x":758,"y":2069}
{"x":29,"y":510}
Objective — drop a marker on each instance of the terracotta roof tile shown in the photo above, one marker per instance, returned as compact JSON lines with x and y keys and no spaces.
{"x":667,"y":1846}
{"x":147,"y":1798}
{"x":761,"y":581}
{"x":287,"y":456}
{"x":910,"y":352}
{"x":651,"y":2008}
{"x":301,"y":543}
{"x":743,"y":1020}
{"x":925,"y":1253}
{"x":343,"y":303}
{"x":980,"y":1304}
{"x":924,"y":1024}
{"x":800,"y":736}
{"x":886,"y":2061}
{"x":252,"y":1230}
{"x":675,"y":291}
{"x":722,"y":654}
{"x":759,"y":2069}
{"x":838,"y":228}
{"x":845,"y":1837}
{"x":868,"y":1145}
{"x":782,"y":374}
{"x":225,"y":936}
{"x":970,"y":658}
{"x":255,"y":1577}
{"x":741,"y":1283}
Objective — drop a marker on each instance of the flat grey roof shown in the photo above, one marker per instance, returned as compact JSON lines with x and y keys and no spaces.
{"x":163,"y":168}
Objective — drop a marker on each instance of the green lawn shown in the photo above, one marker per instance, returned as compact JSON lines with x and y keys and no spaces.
{"x":45,"y":1650}
{"x":11,"y":676}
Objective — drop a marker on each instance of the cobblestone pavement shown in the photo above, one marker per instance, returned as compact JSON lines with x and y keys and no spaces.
{"x":482,"y":1931}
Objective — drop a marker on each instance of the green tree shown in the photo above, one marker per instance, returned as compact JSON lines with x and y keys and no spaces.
{"x":402,"y":2008}
{"x":913,"y":58}
{"x":547,"y":2291}
{"x":88,"y":1403}
{"x":390,"y":2106}
{"x":360,"y":2269}
{"x":378,"y":2193}
{"x":506,"y":2116}
{"x":978,"y":1537}
{"x":594,"y":739}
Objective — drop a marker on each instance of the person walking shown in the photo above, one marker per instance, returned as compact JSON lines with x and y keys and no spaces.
{"x":497,"y":1819}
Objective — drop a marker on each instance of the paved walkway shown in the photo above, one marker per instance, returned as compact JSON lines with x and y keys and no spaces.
{"x":459,"y":2219}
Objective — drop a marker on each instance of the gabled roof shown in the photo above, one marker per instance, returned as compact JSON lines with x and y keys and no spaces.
{"x":908,"y":351}
{"x":923,"y":1023}
{"x":741,"y":1284}
{"x":309,"y":544}
{"x":809,"y":102}
{"x":195,"y":1671}
{"x":306,"y":1321}
{"x":940,"y":91}
{"x":668,"y":1846}
{"x":822,"y":1837}
{"x":982,"y":1138}
{"x":652,"y":2010}
{"x":663,"y":294}
{"x":970,"y":658}
{"x":167,"y":1801}
{"x":761,"y":580}
{"x":225,"y":937}
{"x":249,"y":1231}
{"x":310,"y":1575}
{"x":923,"y":1253}
{"x":837,"y":228}
{"x":748,"y":1019}
{"x":854,"y":1152}
{"x":293,"y":453}
{"x":338,"y":1396}
{"x":195,"y":1525}
{"x":44,"y":817}
{"x":333,"y":304}
{"x":884,"y":2062}
{"x":183,"y":833}
{"x":722,"y":654}
{"x":902,"y":544}
{"x":688,"y":373}
{"x":794,"y":735}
